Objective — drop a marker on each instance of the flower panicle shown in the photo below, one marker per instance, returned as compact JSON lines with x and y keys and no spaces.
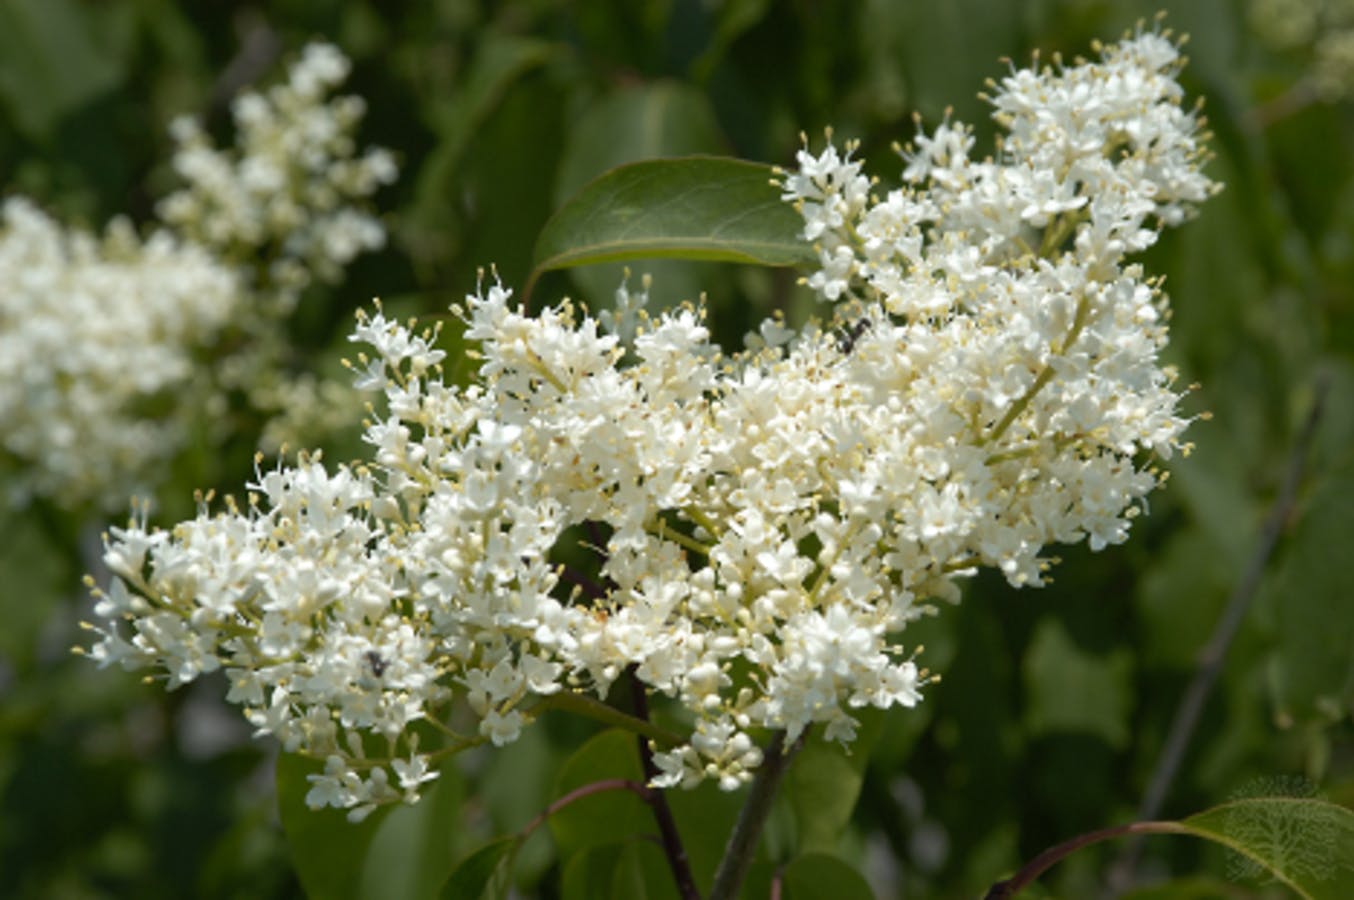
{"x":758,"y":529}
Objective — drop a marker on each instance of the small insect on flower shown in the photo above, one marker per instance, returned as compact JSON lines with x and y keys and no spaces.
{"x":847,"y":336}
{"x":377,"y":662}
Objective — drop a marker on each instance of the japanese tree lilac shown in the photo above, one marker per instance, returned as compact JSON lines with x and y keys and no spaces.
{"x":763,"y":525}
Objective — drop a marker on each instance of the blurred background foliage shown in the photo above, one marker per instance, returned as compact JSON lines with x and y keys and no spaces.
{"x":1054,"y":704}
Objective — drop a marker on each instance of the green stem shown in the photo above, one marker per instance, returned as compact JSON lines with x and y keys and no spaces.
{"x":592,"y":708}
{"x":703,"y":520}
{"x":1055,"y":235}
{"x":1008,"y":455}
{"x":823,"y":572}
{"x":964,"y":562}
{"x":544,"y":371}
{"x":1045,"y":375}
{"x":660,"y":530}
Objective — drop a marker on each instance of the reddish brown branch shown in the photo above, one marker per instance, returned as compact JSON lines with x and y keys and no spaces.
{"x":1053,"y":855}
{"x":587,"y":790}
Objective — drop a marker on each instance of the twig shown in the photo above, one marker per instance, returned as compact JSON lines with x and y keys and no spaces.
{"x":587,"y":790}
{"x":1003,"y":890}
{"x":1215,"y":651}
{"x":578,"y":793}
{"x":591,"y":589}
{"x":658,"y":802}
{"x":260,"y":47}
{"x":1291,"y":101}
{"x":733,"y":868}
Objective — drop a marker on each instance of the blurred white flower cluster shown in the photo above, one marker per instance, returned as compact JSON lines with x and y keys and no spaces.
{"x":1324,"y":29}
{"x":756,"y":529}
{"x":97,"y":339}
{"x":290,"y":189}
{"x":109,"y":346}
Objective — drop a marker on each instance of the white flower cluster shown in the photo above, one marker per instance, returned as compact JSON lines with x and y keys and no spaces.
{"x":759,"y":527}
{"x":96,"y":349}
{"x":108,"y":344}
{"x":292,"y":185}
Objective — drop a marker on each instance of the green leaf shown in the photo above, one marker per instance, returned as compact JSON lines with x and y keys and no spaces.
{"x":632,"y":869}
{"x":735,"y":18}
{"x":54,"y":58}
{"x":702,"y":208}
{"x":607,"y":817}
{"x":818,"y":876}
{"x":512,"y":789}
{"x":705,"y":817}
{"x":629,"y":124}
{"x":1306,"y":844}
{"x":327,"y":850}
{"x":589,"y":873}
{"x":822,"y":787}
{"x":477,"y":872}
{"x":414,"y":847}
{"x":505,"y":130}
{"x":1198,"y":887}
{"x":824,"y":783}
{"x":403,"y":851}
{"x":635,"y":123}
{"x":1071,"y":690}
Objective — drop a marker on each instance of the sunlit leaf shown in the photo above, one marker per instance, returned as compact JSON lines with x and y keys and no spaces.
{"x":699,"y":208}
{"x":1306,"y":844}
{"x":626,"y":125}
